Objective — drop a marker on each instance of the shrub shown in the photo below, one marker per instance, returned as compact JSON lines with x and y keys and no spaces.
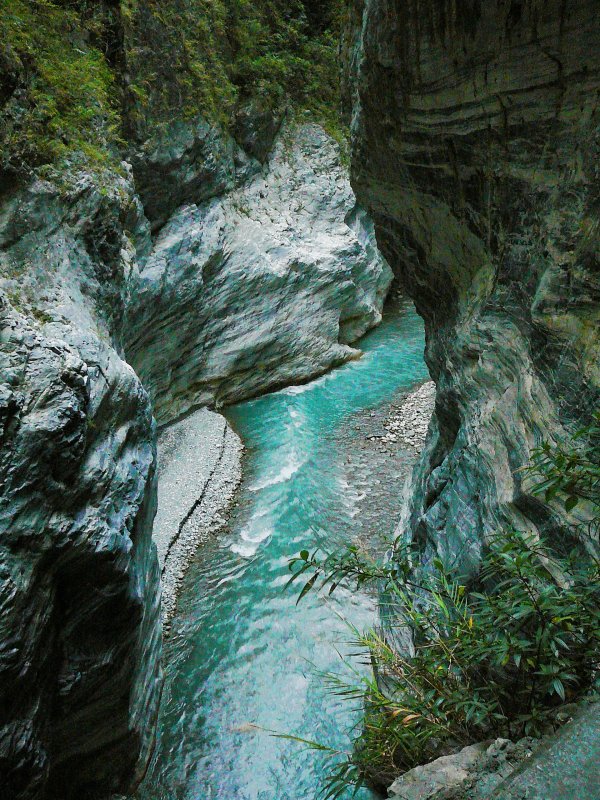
{"x":61,"y":102}
{"x":208,"y":57}
{"x":466,"y":663}
{"x":76,"y":76}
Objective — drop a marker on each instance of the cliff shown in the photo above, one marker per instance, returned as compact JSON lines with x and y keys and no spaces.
{"x":79,"y":584}
{"x":166,"y":241}
{"x":475,"y":148}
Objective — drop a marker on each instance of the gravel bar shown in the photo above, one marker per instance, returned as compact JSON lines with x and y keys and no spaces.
{"x":199,"y":471}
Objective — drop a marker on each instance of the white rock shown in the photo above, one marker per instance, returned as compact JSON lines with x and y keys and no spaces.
{"x":265,"y":286}
{"x":448,"y":772}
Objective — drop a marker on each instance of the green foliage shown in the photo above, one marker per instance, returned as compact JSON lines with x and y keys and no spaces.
{"x":571,"y":472}
{"x":477,"y":661}
{"x":76,"y":75}
{"x":62,"y":99}
{"x":210,"y":56}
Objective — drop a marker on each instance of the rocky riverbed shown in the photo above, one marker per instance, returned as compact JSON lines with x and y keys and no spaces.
{"x":199,"y":471}
{"x":381,"y":447}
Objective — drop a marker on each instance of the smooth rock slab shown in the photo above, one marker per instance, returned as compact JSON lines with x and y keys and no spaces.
{"x":446,"y":773}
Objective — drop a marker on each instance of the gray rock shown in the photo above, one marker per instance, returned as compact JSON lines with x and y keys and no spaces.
{"x":187,"y":162}
{"x":264,"y":287}
{"x":566,"y":767}
{"x":79,"y":583}
{"x":471,"y":774}
{"x":448,"y":773}
{"x":475,"y":149}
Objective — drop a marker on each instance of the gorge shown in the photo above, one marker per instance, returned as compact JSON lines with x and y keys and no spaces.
{"x":241,"y":653}
{"x":187,"y":222}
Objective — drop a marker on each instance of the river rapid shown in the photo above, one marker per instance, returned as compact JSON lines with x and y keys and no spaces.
{"x":242,"y":653}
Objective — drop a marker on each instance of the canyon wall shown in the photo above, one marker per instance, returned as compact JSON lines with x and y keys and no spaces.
{"x":260,"y":287}
{"x":476,"y":149}
{"x":120,"y":303}
{"x":79,"y":584}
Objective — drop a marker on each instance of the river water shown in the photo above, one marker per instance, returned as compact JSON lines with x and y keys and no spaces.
{"x":242,"y":653}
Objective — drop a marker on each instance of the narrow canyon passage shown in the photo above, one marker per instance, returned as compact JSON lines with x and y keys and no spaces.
{"x":241,"y":652}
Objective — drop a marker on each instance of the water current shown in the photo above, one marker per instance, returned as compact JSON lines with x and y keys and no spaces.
{"x":242,"y":653}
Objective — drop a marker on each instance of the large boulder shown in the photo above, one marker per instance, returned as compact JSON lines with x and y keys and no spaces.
{"x":263,"y":287}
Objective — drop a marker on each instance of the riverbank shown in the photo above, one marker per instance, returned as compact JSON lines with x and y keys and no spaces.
{"x":199,"y":472}
{"x":381,"y":446}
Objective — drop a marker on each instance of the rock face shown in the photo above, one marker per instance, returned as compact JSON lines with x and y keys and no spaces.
{"x":263,"y":280}
{"x":262,"y":287}
{"x":187,"y":162}
{"x":566,"y":766}
{"x":79,"y":583}
{"x":476,"y":150}
{"x":471,"y":774}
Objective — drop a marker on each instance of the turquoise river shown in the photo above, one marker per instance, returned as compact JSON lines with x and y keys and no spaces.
{"x":242,"y":653}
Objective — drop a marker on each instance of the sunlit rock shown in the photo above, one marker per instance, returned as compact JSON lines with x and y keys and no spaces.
{"x":266,"y":286}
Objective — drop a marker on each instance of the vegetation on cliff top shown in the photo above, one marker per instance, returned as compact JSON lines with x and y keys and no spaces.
{"x":57,"y":93}
{"x":208,"y":56}
{"x":77,"y":78}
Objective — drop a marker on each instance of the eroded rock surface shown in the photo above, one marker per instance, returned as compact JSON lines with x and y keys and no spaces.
{"x":265,"y":286}
{"x":79,"y":583}
{"x":476,"y":149}
{"x":185,"y":162}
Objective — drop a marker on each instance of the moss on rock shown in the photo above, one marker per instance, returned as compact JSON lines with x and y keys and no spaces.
{"x":78,"y":79}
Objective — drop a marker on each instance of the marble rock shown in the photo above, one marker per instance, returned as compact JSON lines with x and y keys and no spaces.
{"x":266,"y":286}
{"x":475,"y":149}
{"x":80,"y":638}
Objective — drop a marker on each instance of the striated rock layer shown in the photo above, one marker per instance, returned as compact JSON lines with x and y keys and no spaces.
{"x":262,"y":287}
{"x":476,"y":149}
